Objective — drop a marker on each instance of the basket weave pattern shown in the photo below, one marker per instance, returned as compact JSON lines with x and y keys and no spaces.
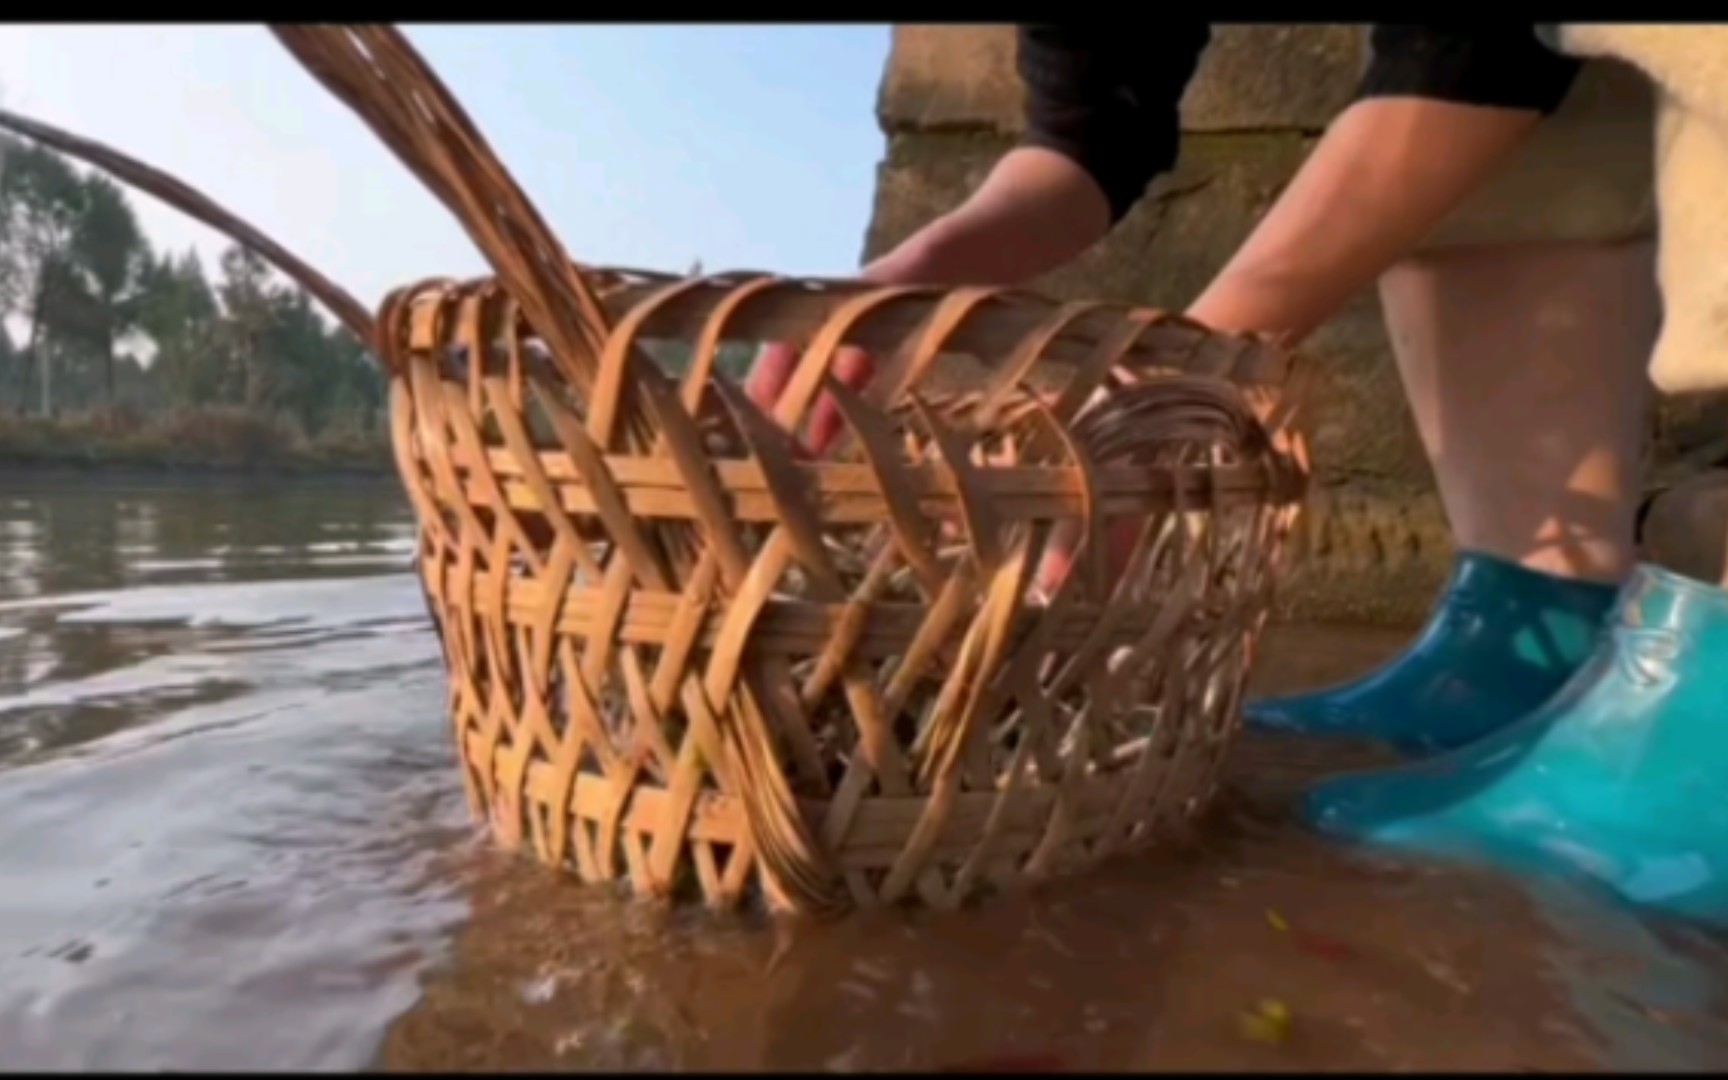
{"x":716,"y":657}
{"x":685,"y":655}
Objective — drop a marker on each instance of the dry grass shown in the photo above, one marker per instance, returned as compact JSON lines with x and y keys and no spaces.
{"x":223,"y":438}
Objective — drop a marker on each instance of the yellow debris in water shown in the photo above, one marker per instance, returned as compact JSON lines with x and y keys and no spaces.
{"x":1267,"y":1022}
{"x":1276,"y":920}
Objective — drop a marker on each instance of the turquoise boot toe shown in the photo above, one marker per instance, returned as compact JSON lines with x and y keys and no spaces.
{"x":1622,"y":775}
{"x":1501,"y":641}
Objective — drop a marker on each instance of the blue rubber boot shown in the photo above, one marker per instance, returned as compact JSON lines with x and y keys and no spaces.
{"x":1622,"y":776}
{"x":1501,"y":641}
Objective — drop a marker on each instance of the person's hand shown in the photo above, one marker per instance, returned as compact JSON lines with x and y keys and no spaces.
{"x":852,"y":368}
{"x":773,"y":369}
{"x":1034,"y":212}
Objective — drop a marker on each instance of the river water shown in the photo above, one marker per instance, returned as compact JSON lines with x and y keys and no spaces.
{"x":232,"y":836}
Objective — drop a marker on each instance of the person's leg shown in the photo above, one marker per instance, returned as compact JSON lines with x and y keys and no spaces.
{"x":1525,"y":372}
{"x":1620,"y":775}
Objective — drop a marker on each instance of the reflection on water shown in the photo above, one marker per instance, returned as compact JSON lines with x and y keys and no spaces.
{"x":233,"y":837}
{"x":230,"y":839}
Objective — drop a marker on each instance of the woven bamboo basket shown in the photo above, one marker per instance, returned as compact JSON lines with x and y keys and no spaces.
{"x":686,"y":655}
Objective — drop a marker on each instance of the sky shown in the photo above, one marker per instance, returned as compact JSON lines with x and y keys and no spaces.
{"x":747,"y":147}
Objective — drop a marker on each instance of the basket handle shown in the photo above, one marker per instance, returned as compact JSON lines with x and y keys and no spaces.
{"x":374,"y":70}
{"x":384,"y":81}
{"x":195,"y":204}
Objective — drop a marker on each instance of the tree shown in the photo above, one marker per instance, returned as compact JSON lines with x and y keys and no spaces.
{"x":108,"y":250}
{"x":107,"y":319}
{"x":248,"y":310}
{"x":179,"y":315}
{"x":10,"y":362}
{"x":42,"y":200}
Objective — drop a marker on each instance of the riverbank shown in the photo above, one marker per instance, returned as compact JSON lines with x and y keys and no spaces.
{"x":187,"y":442}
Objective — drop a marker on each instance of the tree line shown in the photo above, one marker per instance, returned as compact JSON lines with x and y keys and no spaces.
{"x":113,"y":350}
{"x":92,"y":317}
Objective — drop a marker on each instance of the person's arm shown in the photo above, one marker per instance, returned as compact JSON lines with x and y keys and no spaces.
{"x":1101,"y":123}
{"x":1035,"y":211}
{"x":1440,"y":109}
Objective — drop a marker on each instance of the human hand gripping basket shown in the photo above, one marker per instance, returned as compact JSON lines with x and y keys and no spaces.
{"x":685,"y":655}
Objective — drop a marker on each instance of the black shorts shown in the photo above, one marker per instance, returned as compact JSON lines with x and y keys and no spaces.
{"x":1106,"y":97}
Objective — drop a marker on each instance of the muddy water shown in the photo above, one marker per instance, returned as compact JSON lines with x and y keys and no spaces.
{"x":231,"y":836}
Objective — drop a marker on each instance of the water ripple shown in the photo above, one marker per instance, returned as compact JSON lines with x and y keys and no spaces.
{"x":228,"y":798}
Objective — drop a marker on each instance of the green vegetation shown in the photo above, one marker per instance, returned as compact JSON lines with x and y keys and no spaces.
{"x":112,"y":353}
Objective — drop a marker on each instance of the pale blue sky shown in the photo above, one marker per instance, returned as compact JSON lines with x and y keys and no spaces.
{"x":751,"y":147}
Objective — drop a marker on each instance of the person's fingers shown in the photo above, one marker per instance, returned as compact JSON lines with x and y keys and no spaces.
{"x":1059,"y":553}
{"x":1058,"y":557}
{"x":770,"y":373}
{"x":852,"y":369}
{"x":773,"y":369}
